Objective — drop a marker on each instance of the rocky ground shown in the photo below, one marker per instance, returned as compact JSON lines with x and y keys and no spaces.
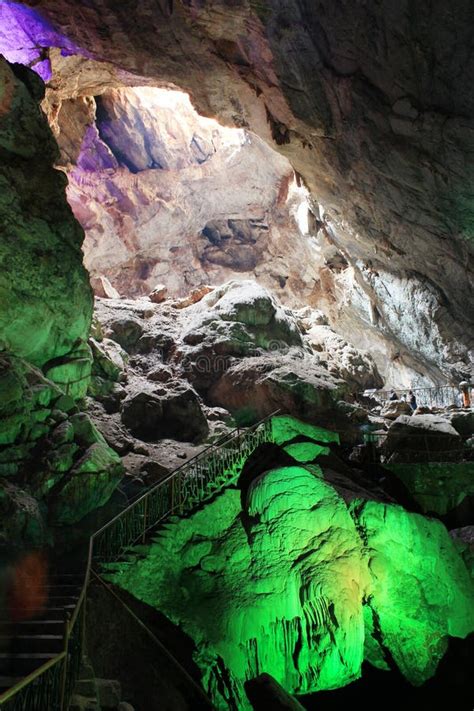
{"x":170,"y":377}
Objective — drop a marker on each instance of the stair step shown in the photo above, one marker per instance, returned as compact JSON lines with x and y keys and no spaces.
{"x":51,"y":613}
{"x":26,"y":625}
{"x":28,"y":643}
{"x":23,"y":663}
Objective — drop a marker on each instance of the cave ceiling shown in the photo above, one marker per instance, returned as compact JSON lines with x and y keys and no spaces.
{"x":370,"y":102}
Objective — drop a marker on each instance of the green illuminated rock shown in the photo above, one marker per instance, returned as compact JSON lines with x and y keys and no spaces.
{"x":420,"y":592}
{"x":52,"y":457}
{"x":302,"y":585}
{"x":45,"y":297}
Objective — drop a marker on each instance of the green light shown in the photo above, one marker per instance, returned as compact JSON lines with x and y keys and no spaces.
{"x":299,"y":585}
{"x":305,"y":451}
{"x":286,"y":428}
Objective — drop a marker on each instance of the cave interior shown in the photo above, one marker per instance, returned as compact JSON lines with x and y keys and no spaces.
{"x":236,"y":354}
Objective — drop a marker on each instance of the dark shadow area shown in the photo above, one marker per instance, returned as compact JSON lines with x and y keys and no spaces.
{"x":451,"y":687}
{"x":120,"y":649}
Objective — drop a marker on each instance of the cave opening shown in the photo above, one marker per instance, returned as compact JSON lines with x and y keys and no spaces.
{"x":236,"y":355}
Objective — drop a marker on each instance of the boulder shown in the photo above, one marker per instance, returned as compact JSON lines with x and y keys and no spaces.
{"x":422,"y":438}
{"x":193,"y":297}
{"x":160,"y":374}
{"x":143,"y":467}
{"x":236,"y":320}
{"x":159,"y":294}
{"x":109,"y":358}
{"x":463,"y":422}
{"x":87,"y":486}
{"x":256,"y":387}
{"x":103,"y":288}
{"x":394,"y":408}
{"x":126,"y":331}
{"x":175,"y":413}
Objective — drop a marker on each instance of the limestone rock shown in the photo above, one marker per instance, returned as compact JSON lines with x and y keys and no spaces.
{"x":126,"y":332}
{"x":21,"y":517}
{"x":440,"y":489}
{"x":109,"y":358}
{"x":238,"y":319}
{"x":395,"y":408}
{"x":422,"y":438}
{"x":176,"y":413}
{"x":103,"y":288}
{"x":413,"y":603}
{"x":89,"y":485}
{"x":354,"y":366}
{"x":159,"y":294}
{"x":463,"y":423}
{"x":44,"y":289}
{"x":256,"y":387}
{"x":193,"y":297}
{"x":308,"y":583}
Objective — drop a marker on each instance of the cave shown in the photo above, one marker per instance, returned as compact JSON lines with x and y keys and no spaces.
{"x":236,"y":354}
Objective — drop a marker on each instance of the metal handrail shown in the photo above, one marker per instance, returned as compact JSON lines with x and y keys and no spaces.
{"x":231,"y":437}
{"x":7,"y":695}
{"x":433,"y":394}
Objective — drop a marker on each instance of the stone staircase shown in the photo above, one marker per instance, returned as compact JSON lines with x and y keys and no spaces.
{"x":29,"y":643}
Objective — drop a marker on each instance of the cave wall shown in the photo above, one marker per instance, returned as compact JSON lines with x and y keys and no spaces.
{"x":167,"y":196}
{"x":44,"y":288}
{"x":370,"y":103}
{"x":55,"y":467}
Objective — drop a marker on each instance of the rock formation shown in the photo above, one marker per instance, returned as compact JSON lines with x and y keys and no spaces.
{"x":55,"y":466}
{"x":236,"y":351}
{"x":380,"y":138}
{"x":309,"y":577}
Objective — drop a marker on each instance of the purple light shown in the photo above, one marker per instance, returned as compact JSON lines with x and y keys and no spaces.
{"x":25,"y":37}
{"x":94,"y":154}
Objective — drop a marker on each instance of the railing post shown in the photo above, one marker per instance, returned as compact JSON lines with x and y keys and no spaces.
{"x":145,"y":516}
{"x":63,"y":700}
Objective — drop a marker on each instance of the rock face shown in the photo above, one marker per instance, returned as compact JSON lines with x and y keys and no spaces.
{"x":236,"y":348}
{"x":361,"y":115}
{"x":182,"y":201}
{"x":55,"y":467}
{"x":44,"y":289}
{"x":309,"y":579}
